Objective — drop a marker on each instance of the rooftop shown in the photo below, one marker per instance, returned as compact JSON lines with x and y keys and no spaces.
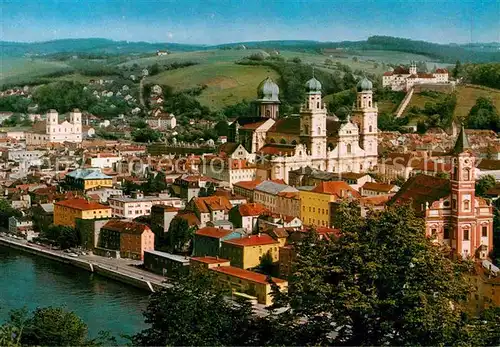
{"x":126,"y":227}
{"x":213,"y":232}
{"x":251,"y":209}
{"x":252,"y":240}
{"x":210,"y":260}
{"x":88,"y":174}
{"x":378,"y":187}
{"x":246,"y":274}
{"x":248,"y":184}
{"x":339,"y":188}
{"x":174,"y":257}
{"x":82,"y":204}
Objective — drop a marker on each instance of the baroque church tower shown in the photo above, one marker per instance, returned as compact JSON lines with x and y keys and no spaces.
{"x":367,"y":112}
{"x":466,"y":233}
{"x":313,"y":120}
{"x":268,"y":103}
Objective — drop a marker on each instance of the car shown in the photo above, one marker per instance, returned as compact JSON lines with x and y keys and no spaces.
{"x":74,"y":255}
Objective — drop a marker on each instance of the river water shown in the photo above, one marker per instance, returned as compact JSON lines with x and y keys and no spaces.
{"x":31,"y":281}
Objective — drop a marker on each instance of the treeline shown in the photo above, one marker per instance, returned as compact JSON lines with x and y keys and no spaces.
{"x":483,"y":74}
{"x":445,"y":53}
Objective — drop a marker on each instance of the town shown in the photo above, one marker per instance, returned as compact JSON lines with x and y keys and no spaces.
{"x":250,"y":193}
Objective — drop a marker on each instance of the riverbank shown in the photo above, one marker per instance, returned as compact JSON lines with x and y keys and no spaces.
{"x":110,"y":268}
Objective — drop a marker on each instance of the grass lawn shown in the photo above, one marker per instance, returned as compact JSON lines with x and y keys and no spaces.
{"x":228,"y":83}
{"x":467,"y":95}
{"x":14,"y":70}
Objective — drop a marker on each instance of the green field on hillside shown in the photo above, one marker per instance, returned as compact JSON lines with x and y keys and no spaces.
{"x":466,"y":98}
{"x":13,"y":70}
{"x":227,"y":83}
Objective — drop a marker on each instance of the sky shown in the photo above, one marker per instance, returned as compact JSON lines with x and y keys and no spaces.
{"x":224,"y":21}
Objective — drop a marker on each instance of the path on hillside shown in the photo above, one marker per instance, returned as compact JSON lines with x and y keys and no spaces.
{"x":402,"y":106}
{"x":141,"y":92}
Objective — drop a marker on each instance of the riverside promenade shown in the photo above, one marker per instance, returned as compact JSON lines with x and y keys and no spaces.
{"x":122,"y":270}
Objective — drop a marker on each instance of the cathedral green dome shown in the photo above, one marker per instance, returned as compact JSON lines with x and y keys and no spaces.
{"x":364,"y":85}
{"x":313,"y":85}
{"x":268,"y":90}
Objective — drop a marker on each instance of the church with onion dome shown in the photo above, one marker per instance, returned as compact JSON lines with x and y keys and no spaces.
{"x":279,"y":145}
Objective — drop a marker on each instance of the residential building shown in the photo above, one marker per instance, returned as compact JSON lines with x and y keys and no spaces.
{"x":308,"y":176}
{"x":453,"y":214}
{"x":130,"y":239}
{"x":20,"y":225}
{"x":210,"y":208}
{"x":316,"y":203}
{"x":486,"y":280}
{"x":165,"y":264}
{"x":189,"y":186}
{"x":162,"y":216}
{"x":288,"y":203}
{"x":229,"y":170}
{"x":246,"y":188}
{"x":245,"y":216}
{"x":207,"y":241}
{"x":105,"y":193}
{"x":139,"y":205}
{"x":86,"y":179}
{"x":267,"y":192}
{"x":66,"y":212}
{"x":247,"y":252}
{"x":104,"y":160}
{"x":249,"y":282}
{"x":233,"y":151}
{"x":162,"y":120}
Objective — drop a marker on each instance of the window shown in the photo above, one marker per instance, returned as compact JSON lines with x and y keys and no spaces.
{"x":454,"y":204}
{"x":319,"y":130}
{"x":484,"y":231}
{"x":466,"y":234}
{"x":446,"y":232}
{"x":466,"y":175}
{"x":433,"y":232}
{"x":348,"y":148}
{"x":317,"y":105}
{"x":466,"y":204}
{"x":370,"y":128}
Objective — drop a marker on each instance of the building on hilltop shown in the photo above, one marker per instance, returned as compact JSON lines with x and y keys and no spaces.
{"x":404,"y":79}
{"x":53,"y":131}
{"x":453,"y":214}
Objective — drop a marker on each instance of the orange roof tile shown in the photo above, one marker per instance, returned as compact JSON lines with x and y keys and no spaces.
{"x":378,"y":187}
{"x":212,"y":203}
{"x":250,"y":185}
{"x":246,"y":274}
{"x":82,"y":204}
{"x":251,"y":209}
{"x":126,"y":227}
{"x":339,"y":188}
{"x":210,"y":260}
{"x":252,"y":240}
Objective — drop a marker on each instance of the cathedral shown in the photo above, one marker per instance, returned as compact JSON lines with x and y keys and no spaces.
{"x":312,"y":138}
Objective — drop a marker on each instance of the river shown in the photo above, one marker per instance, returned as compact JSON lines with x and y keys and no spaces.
{"x":27,"y":280}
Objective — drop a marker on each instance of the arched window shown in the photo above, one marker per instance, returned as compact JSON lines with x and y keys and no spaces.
{"x":370,"y":128}
{"x":466,"y":204}
{"x":348,"y":148}
{"x":319,"y":130}
{"x":369,"y":103}
{"x":466,"y":174}
{"x":466,"y":234}
{"x":283,"y":141}
{"x":317,"y":105}
{"x":268,"y":113}
{"x":294,"y":142}
{"x":306,"y":129}
{"x":272,"y":141}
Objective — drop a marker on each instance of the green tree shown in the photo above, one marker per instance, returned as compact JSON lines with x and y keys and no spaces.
{"x":180,"y":236}
{"x":382,"y":282}
{"x":146,"y":135}
{"x":484,"y":115}
{"x":194,"y":311}
{"x":484,"y":183}
{"x":6,"y":211}
{"x":64,"y":236}
{"x":457,"y":70}
{"x":222,"y":128}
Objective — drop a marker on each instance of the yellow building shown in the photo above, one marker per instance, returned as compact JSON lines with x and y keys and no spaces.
{"x":315,"y":204}
{"x":487,"y":283}
{"x":66,"y":212}
{"x":247,"y":252}
{"x":85,"y":179}
{"x":248,"y":282}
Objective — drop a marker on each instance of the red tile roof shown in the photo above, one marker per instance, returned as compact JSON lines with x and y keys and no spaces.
{"x":378,"y":200}
{"x":190,"y":217}
{"x":252,"y":240}
{"x":441,"y":71}
{"x":339,"y":188}
{"x":246,"y":274}
{"x":250,"y":185}
{"x":251,"y":209}
{"x":277,"y":149}
{"x":253,"y":126}
{"x":210,"y":260}
{"x":82,"y":204}
{"x":216,"y":233}
{"x":126,"y":227}
{"x":212,"y":203}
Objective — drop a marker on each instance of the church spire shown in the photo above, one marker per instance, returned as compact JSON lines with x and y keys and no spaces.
{"x":462,"y":143}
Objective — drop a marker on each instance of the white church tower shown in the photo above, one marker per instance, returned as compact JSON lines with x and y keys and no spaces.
{"x":52,"y":121}
{"x":75,"y":118}
{"x":313,"y":120}
{"x":367,"y":113}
